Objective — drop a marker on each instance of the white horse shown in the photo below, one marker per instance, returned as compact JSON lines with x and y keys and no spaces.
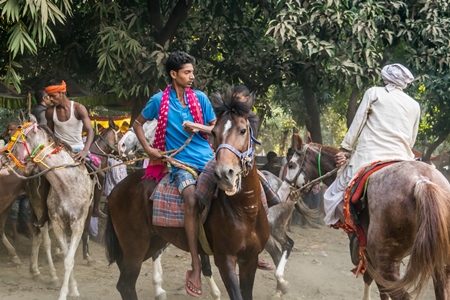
{"x":129,"y":145}
{"x":70,"y":194}
{"x":36,"y":189}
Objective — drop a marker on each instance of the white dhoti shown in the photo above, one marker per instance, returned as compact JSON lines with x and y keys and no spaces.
{"x":334,"y":195}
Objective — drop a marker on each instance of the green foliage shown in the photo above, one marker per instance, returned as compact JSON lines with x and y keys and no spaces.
{"x":27,"y":25}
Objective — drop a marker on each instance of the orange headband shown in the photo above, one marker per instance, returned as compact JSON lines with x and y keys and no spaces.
{"x":53,"y":89}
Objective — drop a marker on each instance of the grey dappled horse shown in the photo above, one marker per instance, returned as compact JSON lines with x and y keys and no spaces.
{"x":407,"y":213}
{"x":70,"y":194}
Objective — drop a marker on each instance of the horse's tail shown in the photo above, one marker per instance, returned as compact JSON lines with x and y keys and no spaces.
{"x":310,"y":215}
{"x":431,"y":247}
{"x":111,"y":242}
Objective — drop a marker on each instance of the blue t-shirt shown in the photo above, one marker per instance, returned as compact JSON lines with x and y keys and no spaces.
{"x":197,"y":152}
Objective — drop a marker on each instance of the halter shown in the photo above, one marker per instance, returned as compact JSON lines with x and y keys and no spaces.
{"x":19,"y":137}
{"x":35,"y":156}
{"x":112,"y":147}
{"x":245,"y":157}
{"x":302,"y":154}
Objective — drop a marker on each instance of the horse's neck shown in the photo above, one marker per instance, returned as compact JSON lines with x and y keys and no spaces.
{"x":61,"y":160}
{"x":327,"y":164}
{"x":249,"y":196}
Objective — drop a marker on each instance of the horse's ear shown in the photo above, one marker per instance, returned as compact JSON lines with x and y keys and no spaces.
{"x":308,"y":138}
{"x":22,"y":118}
{"x":251,"y":100}
{"x":111,"y":124}
{"x":32,"y":118}
{"x":298,"y":142}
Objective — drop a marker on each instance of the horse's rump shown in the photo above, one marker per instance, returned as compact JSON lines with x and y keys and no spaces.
{"x":409,"y":207}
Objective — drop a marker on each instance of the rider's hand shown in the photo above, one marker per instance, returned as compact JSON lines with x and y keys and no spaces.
{"x":154,"y":153}
{"x":340,"y":158}
{"x":81,"y":155}
{"x":188,"y":128}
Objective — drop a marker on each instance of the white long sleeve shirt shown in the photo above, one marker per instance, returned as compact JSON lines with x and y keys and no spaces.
{"x":388,"y":131}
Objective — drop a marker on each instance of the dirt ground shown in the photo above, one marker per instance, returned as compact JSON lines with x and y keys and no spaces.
{"x":319,"y":268}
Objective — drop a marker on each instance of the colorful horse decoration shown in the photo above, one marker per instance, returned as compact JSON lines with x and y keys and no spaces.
{"x":407,"y":213}
{"x":70,"y":194}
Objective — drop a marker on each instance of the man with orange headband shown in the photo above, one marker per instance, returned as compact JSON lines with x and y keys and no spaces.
{"x":67,"y":119}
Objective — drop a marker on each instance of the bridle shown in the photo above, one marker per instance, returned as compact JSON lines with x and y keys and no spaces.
{"x":302,"y":168}
{"x":244,"y":157}
{"x":36,"y":156}
{"x":19,"y":137}
{"x":112,"y":147}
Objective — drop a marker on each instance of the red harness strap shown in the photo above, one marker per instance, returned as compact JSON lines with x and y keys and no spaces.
{"x":353,"y":195}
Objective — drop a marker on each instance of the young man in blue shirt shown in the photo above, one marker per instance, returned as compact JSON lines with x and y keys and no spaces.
{"x":179,"y":111}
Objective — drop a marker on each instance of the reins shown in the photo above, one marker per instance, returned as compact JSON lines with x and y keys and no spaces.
{"x":112,"y":147}
{"x":307,"y":187}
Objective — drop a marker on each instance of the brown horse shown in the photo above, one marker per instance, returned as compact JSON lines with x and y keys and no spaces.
{"x":407,"y":212}
{"x":103,"y":146}
{"x":236,"y":227}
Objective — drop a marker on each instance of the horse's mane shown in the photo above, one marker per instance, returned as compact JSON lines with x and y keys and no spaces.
{"x":328,"y":149}
{"x":57,"y":141}
{"x":227,"y":103}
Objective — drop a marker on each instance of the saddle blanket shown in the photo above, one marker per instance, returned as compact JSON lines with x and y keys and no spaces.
{"x":168,"y":204}
{"x":354,"y":202}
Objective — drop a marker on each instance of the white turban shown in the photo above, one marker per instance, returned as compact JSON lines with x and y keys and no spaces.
{"x":396,"y":76}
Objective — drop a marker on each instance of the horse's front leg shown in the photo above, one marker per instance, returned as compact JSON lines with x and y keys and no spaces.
{"x":227,"y":269}
{"x":206,"y":270}
{"x":10,"y":248}
{"x":160,"y":293}
{"x":69,"y":261}
{"x":247,"y":271}
{"x":47,"y":242}
{"x":279,"y":259}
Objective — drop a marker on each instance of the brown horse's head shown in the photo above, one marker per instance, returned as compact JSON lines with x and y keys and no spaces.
{"x":106,"y":142}
{"x":309,"y":162}
{"x":233,"y":140}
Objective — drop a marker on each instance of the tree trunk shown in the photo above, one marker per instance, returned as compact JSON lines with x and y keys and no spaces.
{"x":313,"y":118}
{"x":434,"y":145}
{"x":137,"y":108}
{"x":261,"y":115}
{"x":283,"y":141}
{"x":352,"y":106}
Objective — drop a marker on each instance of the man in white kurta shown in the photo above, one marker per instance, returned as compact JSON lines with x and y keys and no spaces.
{"x":384,"y":128}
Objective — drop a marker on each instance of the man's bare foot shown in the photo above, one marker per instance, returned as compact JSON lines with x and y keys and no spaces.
{"x":99,"y":214}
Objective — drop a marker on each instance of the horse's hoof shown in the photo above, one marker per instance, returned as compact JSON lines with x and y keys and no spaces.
{"x":162,"y":296}
{"x":55,"y":284}
{"x":16,"y":260}
{"x":74,"y":294}
{"x":283,"y":287}
{"x":278,"y":294}
{"x":91,"y":262}
{"x":38,"y":278}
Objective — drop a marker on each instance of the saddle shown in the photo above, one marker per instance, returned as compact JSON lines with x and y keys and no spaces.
{"x":354,"y":203}
{"x":168,"y":204}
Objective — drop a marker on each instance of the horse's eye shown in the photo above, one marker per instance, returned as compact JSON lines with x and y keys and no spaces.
{"x":291,"y":165}
{"x":243,"y":131}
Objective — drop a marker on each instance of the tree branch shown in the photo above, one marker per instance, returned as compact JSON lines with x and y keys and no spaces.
{"x":175,"y":18}
{"x":154,"y":15}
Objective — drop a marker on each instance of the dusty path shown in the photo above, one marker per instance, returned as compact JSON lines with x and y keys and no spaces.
{"x":317,"y":269}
